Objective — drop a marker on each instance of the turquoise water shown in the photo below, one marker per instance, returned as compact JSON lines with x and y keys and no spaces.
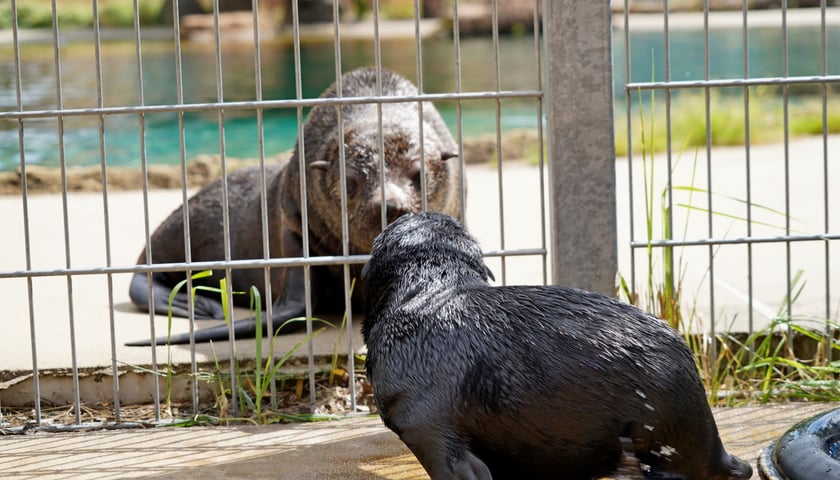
{"x":121,"y":87}
{"x":726,"y":54}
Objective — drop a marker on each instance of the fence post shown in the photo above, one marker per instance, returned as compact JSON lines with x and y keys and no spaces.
{"x":579,"y":106}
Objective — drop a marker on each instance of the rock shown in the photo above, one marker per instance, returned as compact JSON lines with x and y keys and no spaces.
{"x":233,"y":26}
{"x":516,"y":145}
{"x":514,"y":16}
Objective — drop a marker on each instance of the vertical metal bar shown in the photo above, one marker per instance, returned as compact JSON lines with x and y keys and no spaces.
{"x":342,"y":173}
{"x":105,"y":210}
{"x":424,"y":203}
{"x":263,"y":198}
{"x":383,"y":212}
{"x":579,"y":107}
{"x":540,"y":140}
{"x":220,"y":96}
{"x":185,"y":211}
{"x":829,"y":331}
{"x":668,"y":252}
{"x":629,"y":113}
{"x":499,"y":157}
{"x":459,"y":120}
{"x":304,"y":215}
{"x":786,"y":128}
{"x":144,"y":167}
{"x":24,"y":192}
{"x":377,"y":55}
{"x":710,"y":217}
{"x":65,"y":209}
{"x":747,"y":159}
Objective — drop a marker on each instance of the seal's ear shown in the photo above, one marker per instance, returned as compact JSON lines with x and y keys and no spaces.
{"x":322,"y":165}
{"x":444,"y":156}
{"x":488,"y":273}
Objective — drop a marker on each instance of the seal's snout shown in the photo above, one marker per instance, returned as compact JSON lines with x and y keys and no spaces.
{"x":394,"y":211}
{"x":396,"y":201}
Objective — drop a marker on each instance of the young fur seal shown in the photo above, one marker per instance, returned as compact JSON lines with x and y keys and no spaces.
{"x":537,"y":382}
{"x":400,"y":183}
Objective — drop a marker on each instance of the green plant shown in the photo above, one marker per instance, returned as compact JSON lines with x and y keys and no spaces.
{"x":264,"y":374}
{"x":334,"y":363}
{"x":663,"y":300}
{"x":170,"y":371}
{"x":807,"y":119}
{"x":252,"y":386}
{"x":79,"y":13}
{"x":727,"y":120}
{"x":115,"y":15}
{"x":761,"y":366}
{"x":394,"y":9}
{"x":766,"y":366}
{"x":33,"y":16}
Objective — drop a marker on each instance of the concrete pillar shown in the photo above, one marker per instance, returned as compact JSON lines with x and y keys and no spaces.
{"x":579,"y":108}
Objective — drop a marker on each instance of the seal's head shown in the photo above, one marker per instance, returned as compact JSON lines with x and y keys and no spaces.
{"x":426,"y":250}
{"x":390,"y":184}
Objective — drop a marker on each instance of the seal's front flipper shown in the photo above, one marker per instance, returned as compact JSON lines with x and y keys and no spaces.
{"x":442,"y":455}
{"x":138,"y":291}
{"x":629,"y":467}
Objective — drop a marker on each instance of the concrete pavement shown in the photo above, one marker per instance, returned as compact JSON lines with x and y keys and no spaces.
{"x":352,"y":449}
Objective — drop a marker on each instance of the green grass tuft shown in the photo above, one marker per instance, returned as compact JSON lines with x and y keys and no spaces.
{"x":790,"y":358}
{"x":79,"y":13}
{"x":253,"y":385}
{"x":726,"y":120}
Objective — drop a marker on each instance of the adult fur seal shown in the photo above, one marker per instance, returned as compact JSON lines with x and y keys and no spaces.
{"x":398,"y":187}
{"x":530,"y":382}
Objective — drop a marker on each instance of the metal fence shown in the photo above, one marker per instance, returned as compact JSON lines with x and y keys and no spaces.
{"x":69,"y":255}
{"x":733,"y":209}
{"x":728,"y":227}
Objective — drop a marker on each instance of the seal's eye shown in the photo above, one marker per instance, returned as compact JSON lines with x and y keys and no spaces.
{"x":414,"y":173}
{"x":354,"y":183}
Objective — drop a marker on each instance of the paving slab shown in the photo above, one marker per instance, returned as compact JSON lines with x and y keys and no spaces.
{"x":351,"y":449}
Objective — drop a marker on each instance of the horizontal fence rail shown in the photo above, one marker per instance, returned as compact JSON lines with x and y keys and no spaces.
{"x":267,"y":104}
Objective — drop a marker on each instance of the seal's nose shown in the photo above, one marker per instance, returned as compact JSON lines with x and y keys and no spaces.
{"x":393,"y":211}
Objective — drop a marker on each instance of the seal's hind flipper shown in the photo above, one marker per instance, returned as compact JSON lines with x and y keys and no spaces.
{"x":245,"y":328}
{"x":138,"y":291}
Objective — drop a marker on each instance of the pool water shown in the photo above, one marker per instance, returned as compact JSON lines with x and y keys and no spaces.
{"x":126,"y":136}
{"x":833,"y":448}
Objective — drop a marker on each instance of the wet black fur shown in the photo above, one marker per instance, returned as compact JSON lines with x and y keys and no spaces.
{"x":525,"y":381}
